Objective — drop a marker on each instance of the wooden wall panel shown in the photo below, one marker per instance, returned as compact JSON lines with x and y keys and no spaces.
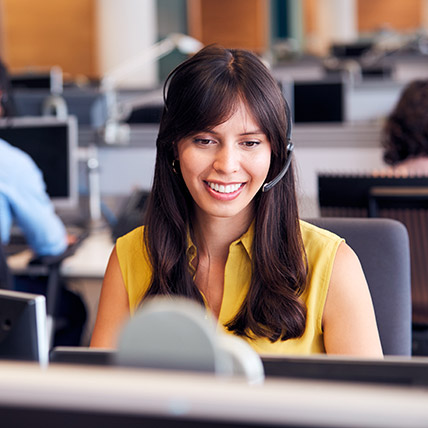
{"x":372,"y":15}
{"x":233,"y":24}
{"x":309,"y":16}
{"x":43,"y":33}
{"x":396,"y":14}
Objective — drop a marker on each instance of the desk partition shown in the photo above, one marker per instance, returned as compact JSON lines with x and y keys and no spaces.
{"x":107,"y":397}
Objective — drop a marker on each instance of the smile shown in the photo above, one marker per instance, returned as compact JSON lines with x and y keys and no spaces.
{"x":220,"y":188}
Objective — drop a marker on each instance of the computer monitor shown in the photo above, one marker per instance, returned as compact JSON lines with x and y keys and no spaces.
{"x":31,"y":80}
{"x":350,"y":50}
{"x":104,"y":397}
{"x":52,"y":143}
{"x":145,"y":114}
{"x":391,"y":370}
{"x":23,"y":331}
{"x":319,"y":101}
{"x":88,"y":105}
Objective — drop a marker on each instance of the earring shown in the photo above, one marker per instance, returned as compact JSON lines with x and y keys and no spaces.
{"x":173,"y":164}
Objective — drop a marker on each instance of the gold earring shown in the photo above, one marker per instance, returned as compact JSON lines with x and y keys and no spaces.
{"x":173,"y":164}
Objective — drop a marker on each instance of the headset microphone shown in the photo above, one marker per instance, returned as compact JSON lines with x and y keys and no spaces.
{"x":278,"y":178}
{"x":290,"y":147}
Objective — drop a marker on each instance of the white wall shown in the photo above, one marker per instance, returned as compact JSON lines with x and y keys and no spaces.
{"x":336,"y":21}
{"x":341,"y":149}
{"x":125,"y":29}
{"x":347,"y":160}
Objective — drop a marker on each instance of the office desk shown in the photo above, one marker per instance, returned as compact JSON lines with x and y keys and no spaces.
{"x":113,"y":397}
{"x":90,"y":259}
{"x":88,"y":262}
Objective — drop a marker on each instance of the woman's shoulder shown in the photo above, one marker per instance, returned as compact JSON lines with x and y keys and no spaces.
{"x":319,"y":242}
{"x":310,"y":232}
{"x":132,"y":242}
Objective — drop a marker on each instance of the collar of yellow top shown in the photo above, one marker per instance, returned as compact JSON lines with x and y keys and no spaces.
{"x":246,"y":240}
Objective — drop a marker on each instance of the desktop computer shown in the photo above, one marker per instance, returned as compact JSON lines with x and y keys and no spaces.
{"x":52,"y":144}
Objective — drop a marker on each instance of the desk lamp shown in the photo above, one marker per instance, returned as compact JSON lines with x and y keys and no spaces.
{"x":114,"y":131}
{"x":55,"y":104}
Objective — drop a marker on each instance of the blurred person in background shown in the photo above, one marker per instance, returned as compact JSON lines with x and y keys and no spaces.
{"x":405,"y":133}
{"x":23,"y":197}
{"x":24,"y":202}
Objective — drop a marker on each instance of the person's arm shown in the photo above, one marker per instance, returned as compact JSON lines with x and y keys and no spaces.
{"x":349,"y":320}
{"x":113,"y":307}
{"x":33,"y":210}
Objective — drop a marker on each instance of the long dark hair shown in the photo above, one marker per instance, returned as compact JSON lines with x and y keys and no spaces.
{"x":405,"y":133}
{"x":201,"y":93}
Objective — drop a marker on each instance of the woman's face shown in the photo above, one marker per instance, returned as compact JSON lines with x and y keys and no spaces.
{"x":224,"y":167}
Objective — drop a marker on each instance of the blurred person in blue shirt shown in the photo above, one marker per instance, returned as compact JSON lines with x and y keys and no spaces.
{"x":24,"y":202}
{"x":23,"y":197}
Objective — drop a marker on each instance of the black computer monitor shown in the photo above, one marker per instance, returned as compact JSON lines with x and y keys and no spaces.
{"x":88,"y":105}
{"x":23,"y":330}
{"x":319,"y":101}
{"x":40,"y":80}
{"x":145,"y":114}
{"x":392,"y":370}
{"x":52,"y":143}
{"x":350,"y":50}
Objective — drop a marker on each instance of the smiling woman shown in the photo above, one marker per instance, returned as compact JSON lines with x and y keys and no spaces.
{"x":224,"y":168}
{"x":215,"y":233}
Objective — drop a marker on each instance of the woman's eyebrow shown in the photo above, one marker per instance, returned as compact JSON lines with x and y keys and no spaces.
{"x":254,"y":132}
{"x":211,"y":131}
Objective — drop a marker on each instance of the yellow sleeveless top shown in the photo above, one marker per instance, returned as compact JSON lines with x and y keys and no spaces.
{"x":320,"y":246}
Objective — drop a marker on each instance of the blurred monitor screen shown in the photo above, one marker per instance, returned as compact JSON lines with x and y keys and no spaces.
{"x":145,"y":114}
{"x":23,"y":330}
{"x":52,"y":144}
{"x":31,"y":80}
{"x":319,"y":101}
{"x":350,"y":50}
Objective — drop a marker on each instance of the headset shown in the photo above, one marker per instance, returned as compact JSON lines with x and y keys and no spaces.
{"x":290,"y":146}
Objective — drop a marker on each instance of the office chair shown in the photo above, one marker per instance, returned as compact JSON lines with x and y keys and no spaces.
{"x":382,"y":246}
{"x":400,"y":198}
{"x":48,"y":266}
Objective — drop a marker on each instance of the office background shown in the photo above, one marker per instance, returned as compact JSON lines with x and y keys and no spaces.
{"x":89,"y":38}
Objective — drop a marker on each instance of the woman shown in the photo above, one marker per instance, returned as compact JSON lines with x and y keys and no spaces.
{"x":405,"y":133}
{"x":220,"y":231}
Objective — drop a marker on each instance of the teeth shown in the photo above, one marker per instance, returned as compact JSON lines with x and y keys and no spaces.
{"x":229,"y":188}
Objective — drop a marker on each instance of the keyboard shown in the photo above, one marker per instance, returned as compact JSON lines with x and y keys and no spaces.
{"x":18,"y":242}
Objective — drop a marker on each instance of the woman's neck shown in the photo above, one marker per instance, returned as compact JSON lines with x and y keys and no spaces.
{"x":215,"y":234}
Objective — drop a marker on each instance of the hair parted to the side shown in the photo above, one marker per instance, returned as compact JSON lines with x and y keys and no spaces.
{"x":405,"y":133}
{"x":201,"y":93}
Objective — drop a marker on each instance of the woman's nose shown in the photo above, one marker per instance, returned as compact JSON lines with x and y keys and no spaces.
{"x":226,"y":160}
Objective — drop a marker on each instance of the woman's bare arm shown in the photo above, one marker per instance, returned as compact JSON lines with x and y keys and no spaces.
{"x":113,"y":307}
{"x":349,"y":320}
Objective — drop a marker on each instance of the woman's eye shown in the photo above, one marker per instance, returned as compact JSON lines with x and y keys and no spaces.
{"x":251,"y":143}
{"x":203,"y":141}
